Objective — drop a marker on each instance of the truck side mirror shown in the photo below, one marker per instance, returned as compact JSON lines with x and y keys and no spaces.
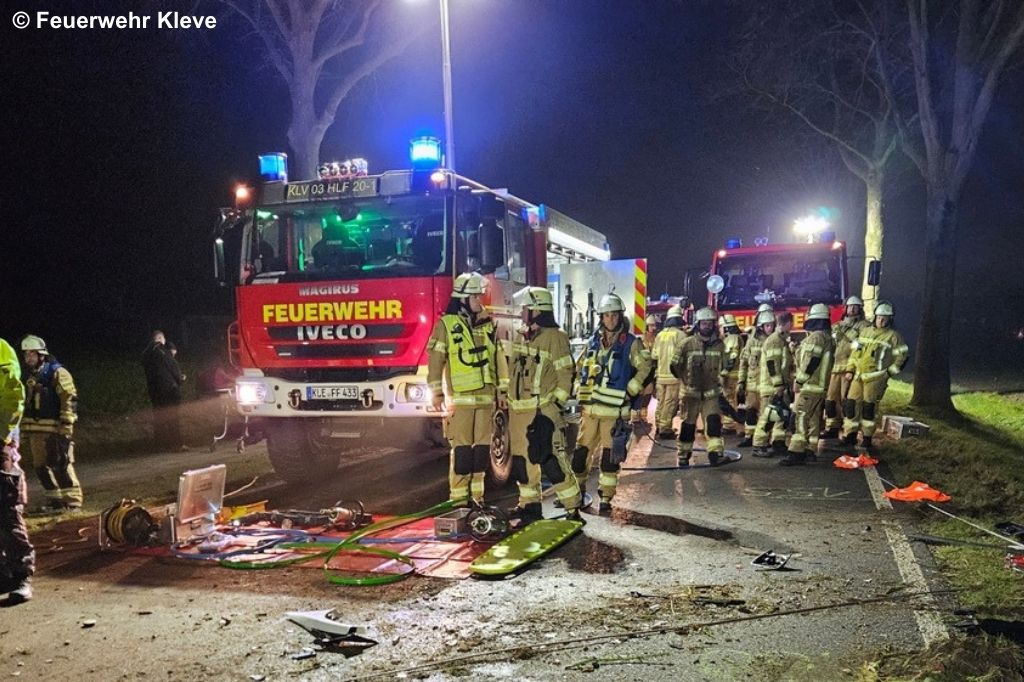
{"x":219,"y":271}
{"x":874,"y":272}
{"x":492,"y":245}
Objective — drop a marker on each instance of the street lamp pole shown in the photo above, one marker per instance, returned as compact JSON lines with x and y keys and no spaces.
{"x":446,"y":68}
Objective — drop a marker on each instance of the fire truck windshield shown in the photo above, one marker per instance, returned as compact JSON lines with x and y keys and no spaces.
{"x":783,"y":279}
{"x":364,"y":238}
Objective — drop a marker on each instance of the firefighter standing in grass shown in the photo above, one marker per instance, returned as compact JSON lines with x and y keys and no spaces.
{"x":813,"y":364}
{"x":775,"y":375}
{"x":17,"y":556}
{"x":463,"y":352}
{"x":611,"y":375}
{"x":51,"y":410}
{"x":698,"y":364}
{"x":541,"y":369}
{"x":844,"y":334}
{"x":879,"y":352}
{"x":731,"y":371}
{"x":750,"y":375}
{"x":666,"y":385}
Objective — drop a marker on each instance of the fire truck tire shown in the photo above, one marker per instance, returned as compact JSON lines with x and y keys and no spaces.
{"x":294,"y":456}
{"x":501,"y":455}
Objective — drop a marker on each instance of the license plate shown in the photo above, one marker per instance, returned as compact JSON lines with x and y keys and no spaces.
{"x":332,"y":393}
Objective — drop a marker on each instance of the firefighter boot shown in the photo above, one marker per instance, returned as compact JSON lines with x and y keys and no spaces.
{"x":792,"y":459}
{"x":714,"y":458}
{"x":865,"y":442}
{"x":850,"y":439}
{"x":21,"y":593}
{"x":606,"y":508}
{"x":746,"y":442}
{"x":762,"y":451}
{"x":810,"y":456}
{"x":526,"y":514}
{"x":666,"y":434}
{"x":829,"y":434}
{"x":574,"y":515}
{"x":779,"y":448}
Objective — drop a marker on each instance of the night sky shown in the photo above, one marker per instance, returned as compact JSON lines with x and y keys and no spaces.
{"x":119,"y":146}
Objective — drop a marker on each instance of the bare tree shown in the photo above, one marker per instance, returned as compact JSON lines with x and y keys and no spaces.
{"x":959,"y":53}
{"x":819,"y":60}
{"x":322,"y":49}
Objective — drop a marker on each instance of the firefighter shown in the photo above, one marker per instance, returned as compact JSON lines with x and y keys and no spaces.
{"x":698,"y":364}
{"x":611,"y":375}
{"x":638,"y":415}
{"x":541,"y":369}
{"x":730,"y":374}
{"x":813,"y":364}
{"x":666,"y":385}
{"x":464,"y":354}
{"x":749,"y":375}
{"x":843,"y":334}
{"x":51,"y":410}
{"x":775,"y":376}
{"x":879,"y":352}
{"x":17,"y":556}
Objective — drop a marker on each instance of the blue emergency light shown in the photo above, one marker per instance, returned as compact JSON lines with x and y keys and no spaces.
{"x":425,"y":151}
{"x":733,"y":243}
{"x":274,"y":167}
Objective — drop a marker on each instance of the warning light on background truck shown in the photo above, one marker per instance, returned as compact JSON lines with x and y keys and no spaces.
{"x":733,"y":243}
{"x":274,"y":167}
{"x":425,"y":152}
{"x":243,"y":196}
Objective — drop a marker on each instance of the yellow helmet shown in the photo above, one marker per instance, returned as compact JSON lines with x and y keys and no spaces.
{"x":819,"y":311}
{"x":705,"y":314}
{"x":33,"y":342}
{"x":675,"y":311}
{"x":611,"y":303}
{"x":468,"y":284}
{"x":537,"y":299}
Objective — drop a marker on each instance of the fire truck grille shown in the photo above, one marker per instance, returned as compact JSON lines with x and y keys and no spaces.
{"x":358,"y":350}
{"x":339,"y":374}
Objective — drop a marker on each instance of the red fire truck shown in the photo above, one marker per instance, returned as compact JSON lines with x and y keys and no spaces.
{"x":788,"y":276}
{"x":338,"y":283}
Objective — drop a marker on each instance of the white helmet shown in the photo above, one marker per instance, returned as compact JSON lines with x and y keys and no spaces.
{"x":675,"y":312}
{"x":705,"y":314}
{"x":854,"y":300}
{"x":611,"y":303}
{"x":765,"y":317}
{"x":765,"y":308}
{"x":728,"y":320}
{"x":33,"y":342}
{"x":819,"y":311}
{"x":651,"y":319}
{"x":884,"y":309}
{"x":468,"y":284}
{"x":537,"y":299}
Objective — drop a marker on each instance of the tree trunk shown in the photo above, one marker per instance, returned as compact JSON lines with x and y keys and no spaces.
{"x":305,"y":134}
{"x":931,"y":370}
{"x":873,"y":231}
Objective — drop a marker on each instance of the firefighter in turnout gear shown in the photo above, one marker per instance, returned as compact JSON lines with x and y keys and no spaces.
{"x":731,"y":372}
{"x":51,"y":410}
{"x":541,"y":369}
{"x":17,"y":556}
{"x":813,"y":363}
{"x":464,"y":354}
{"x":666,"y":385}
{"x":844,"y":333}
{"x":638,"y":415}
{"x":775,"y":375}
{"x":750,"y":375}
{"x":611,"y":375}
{"x":878,"y":353}
{"x":698,"y":364}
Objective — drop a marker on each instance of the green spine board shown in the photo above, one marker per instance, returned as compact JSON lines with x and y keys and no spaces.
{"x":551,"y":532}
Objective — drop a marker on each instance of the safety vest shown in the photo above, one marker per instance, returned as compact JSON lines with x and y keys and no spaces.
{"x":41,"y":399}
{"x":817,"y":344}
{"x":12,"y":394}
{"x":606,"y":372}
{"x":470,"y":354}
{"x":877,"y":354}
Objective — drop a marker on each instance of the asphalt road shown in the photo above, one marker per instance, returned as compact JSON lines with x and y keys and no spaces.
{"x":677,"y":550}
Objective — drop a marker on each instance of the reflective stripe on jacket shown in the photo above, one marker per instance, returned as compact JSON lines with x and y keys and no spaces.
{"x":878,"y":353}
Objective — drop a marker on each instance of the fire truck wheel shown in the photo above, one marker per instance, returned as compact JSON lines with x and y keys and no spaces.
{"x":501,"y":456}
{"x":295,"y":457}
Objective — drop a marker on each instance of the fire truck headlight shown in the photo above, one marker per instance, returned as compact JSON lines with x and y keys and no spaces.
{"x":417,"y":393}
{"x":251,"y":392}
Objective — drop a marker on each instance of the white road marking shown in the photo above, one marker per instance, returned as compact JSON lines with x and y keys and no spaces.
{"x":928,"y":622}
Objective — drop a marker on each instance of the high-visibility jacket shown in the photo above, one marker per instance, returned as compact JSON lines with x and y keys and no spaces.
{"x":776,"y":367}
{"x":878,"y":353}
{"x":541,"y":369}
{"x":814,"y":358}
{"x":51,"y":400}
{"x":611,"y":371}
{"x":465,"y":354}
{"x":698,"y":363}
{"x":750,"y":360}
{"x":12,"y":393}
{"x":665,"y":346}
{"x":733,"y":350}
{"x":844,"y":333}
